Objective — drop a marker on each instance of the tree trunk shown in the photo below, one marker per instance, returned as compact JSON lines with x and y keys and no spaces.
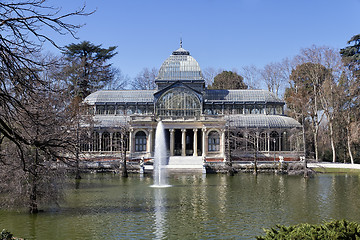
{"x":349,"y":149}
{"x":349,"y":139}
{"x":124,"y":172}
{"x":304,"y":142}
{"x":33,"y":208}
{"x":332,"y":141}
{"x":77,"y":175}
{"x":231,"y":171}
{"x":316,"y":145}
{"x":316,"y":123}
{"x":255,"y":163}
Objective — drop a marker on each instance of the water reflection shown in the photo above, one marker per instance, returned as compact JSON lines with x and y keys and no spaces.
{"x":160,"y":212}
{"x":196,"y":207}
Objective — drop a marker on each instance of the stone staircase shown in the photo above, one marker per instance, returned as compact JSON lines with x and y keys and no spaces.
{"x":188,"y":162}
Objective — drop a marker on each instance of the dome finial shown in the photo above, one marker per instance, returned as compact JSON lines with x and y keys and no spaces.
{"x":180,"y":42}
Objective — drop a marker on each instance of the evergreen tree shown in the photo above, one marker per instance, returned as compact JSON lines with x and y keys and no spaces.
{"x":88,"y":69}
{"x":351,"y":54}
{"x":228,"y":80}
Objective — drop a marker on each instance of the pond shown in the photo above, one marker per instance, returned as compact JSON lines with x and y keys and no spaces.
{"x":106,"y":206}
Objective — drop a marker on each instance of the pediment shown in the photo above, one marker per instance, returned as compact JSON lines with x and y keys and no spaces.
{"x":177,"y":84}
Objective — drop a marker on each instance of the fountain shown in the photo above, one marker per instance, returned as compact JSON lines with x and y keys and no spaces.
{"x":160,"y":158}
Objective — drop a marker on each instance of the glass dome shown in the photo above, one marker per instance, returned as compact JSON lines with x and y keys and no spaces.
{"x":180,"y":66}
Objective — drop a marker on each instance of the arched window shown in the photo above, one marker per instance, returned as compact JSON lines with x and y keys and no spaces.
{"x":116,"y":142}
{"x":120,"y":110}
{"x":274,"y":141}
{"x":140,"y":142}
{"x":84,"y":142}
{"x":213,"y":141}
{"x":110,"y":109}
{"x":285,"y":144}
{"x":100,"y":110}
{"x":95,"y":141}
{"x":241,"y":142}
{"x":178,"y":102}
{"x":105,"y":142}
{"x":251,"y":141}
{"x":263,"y":142}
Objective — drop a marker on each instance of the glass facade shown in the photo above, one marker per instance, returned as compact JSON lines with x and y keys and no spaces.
{"x":195,"y":117}
{"x":178,"y":102}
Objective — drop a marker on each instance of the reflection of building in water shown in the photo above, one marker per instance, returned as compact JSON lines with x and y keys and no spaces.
{"x":197,"y":120}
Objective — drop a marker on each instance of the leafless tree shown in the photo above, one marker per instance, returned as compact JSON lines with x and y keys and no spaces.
{"x":276,"y":76}
{"x":32,"y":112}
{"x":330,"y":93}
{"x":43,"y":124}
{"x":120,"y":81}
{"x":251,"y":76}
{"x":210,"y":73}
{"x":145,"y":80}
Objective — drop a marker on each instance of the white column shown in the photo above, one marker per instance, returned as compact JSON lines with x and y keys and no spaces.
{"x":100,"y":141}
{"x":222,"y":143}
{"x":172,"y":142}
{"x":183,"y":142}
{"x":111,"y":141}
{"x":150,"y":141}
{"x":131,"y":141}
{"x":204,"y":150}
{"x":280,"y":141}
{"x":246,"y":141}
{"x":195,"y":142}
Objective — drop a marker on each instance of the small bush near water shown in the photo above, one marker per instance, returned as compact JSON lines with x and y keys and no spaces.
{"x":6,"y":235}
{"x":329,"y":230}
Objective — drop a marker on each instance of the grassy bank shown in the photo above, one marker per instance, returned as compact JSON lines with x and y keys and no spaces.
{"x":335,"y":170}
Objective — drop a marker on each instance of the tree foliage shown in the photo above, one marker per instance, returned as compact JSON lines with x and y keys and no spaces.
{"x":228,"y":80}
{"x":351,"y":54}
{"x":351,"y":91}
{"x":87,"y":69}
{"x":329,"y":230}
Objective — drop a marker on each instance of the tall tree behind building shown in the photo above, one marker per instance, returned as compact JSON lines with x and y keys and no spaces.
{"x":351,"y":58}
{"x":228,"y":80}
{"x":251,"y":76}
{"x":276,"y":76}
{"x":88,"y":69}
{"x":209,"y":74}
{"x":145,"y":80}
{"x":306,"y":82}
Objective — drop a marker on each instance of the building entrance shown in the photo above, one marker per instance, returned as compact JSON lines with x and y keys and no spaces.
{"x":185,"y":142}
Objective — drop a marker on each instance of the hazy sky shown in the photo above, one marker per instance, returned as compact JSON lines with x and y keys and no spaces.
{"x":218,"y":33}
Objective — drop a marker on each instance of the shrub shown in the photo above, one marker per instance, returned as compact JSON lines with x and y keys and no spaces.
{"x":5,"y":235}
{"x":329,"y":230}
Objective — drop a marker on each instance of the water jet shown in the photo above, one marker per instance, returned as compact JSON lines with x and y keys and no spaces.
{"x":160,"y":158}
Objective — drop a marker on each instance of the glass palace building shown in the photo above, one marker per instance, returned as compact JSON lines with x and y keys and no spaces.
{"x":206,"y":124}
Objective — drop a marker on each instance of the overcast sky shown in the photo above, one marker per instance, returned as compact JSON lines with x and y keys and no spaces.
{"x":218,"y":33}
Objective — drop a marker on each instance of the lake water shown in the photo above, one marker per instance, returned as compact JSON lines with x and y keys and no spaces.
{"x":106,"y":206}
